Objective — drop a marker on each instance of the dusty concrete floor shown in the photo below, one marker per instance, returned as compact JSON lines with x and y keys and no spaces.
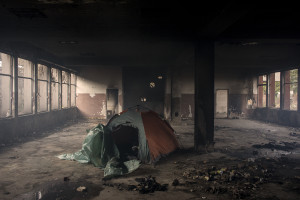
{"x":250,"y":160}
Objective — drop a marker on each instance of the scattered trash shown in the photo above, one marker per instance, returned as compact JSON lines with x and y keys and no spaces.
{"x":66,"y":178}
{"x":239,"y":180}
{"x":13,"y":157}
{"x":149,"y":185}
{"x":285,"y":146}
{"x":81,"y":189}
{"x":145,"y":185}
{"x":175,"y":182}
{"x":294,"y":134}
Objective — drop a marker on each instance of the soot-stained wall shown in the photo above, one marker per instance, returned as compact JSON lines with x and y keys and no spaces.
{"x":92,"y":83}
{"x":179,"y":96}
{"x":238,"y":89}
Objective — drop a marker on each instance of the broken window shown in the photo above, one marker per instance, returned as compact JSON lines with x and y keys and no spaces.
{"x":55,"y":88}
{"x":65,"y":93}
{"x":290,"y":100}
{"x":262,"y":91}
{"x":25,"y":86}
{"x":274,"y":90}
{"x":43,"y":91}
{"x":73,"y":90}
{"x":5,"y":85}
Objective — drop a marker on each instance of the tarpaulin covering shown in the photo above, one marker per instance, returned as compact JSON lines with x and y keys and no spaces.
{"x":99,"y":149}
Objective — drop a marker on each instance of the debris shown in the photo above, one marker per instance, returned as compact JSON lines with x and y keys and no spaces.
{"x":66,"y":178}
{"x":146,"y":185}
{"x":255,"y":153}
{"x":175,"y":182}
{"x":293,"y":134}
{"x":81,"y":189}
{"x":149,"y":185}
{"x":285,"y":146}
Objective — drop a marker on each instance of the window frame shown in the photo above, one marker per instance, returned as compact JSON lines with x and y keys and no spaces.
{"x":32,"y":78}
{"x":284,"y":83}
{"x":262,"y":85}
{"x":68,"y":90}
{"x":75,"y":85}
{"x":38,"y":80}
{"x":11,"y":85}
{"x":59,"y":88}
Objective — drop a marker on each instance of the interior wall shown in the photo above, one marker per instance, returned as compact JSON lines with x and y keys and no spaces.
{"x":180,"y":94}
{"x":238,"y":64}
{"x":92,"y":83}
{"x":237,"y":85}
{"x":12,"y":129}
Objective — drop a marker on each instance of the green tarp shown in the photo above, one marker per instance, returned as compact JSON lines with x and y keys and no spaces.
{"x":99,"y":149}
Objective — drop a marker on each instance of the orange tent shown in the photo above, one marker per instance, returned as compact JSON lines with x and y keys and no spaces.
{"x":154,"y":137}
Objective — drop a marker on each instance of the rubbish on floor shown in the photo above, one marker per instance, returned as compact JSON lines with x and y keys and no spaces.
{"x":145,"y":185}
{"x":175,"y":182}
{"x":129,"y":138}
{"x":81,"y":189}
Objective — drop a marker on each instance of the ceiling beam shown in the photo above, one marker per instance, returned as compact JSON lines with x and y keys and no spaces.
{"x":227,"y":17}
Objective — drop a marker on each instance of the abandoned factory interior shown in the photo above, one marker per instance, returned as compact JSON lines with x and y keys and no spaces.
{"x":136,"y":99}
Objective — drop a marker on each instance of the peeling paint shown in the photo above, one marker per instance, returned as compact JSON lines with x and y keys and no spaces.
{"x":190,"y":111}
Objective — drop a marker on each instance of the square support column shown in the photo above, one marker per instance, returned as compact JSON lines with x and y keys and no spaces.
{"x":204,"y":94}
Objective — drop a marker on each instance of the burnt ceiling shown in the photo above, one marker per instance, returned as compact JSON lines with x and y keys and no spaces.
{"x":132,"y":31}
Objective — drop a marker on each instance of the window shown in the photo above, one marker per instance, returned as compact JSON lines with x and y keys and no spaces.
{"x":274,"y":90}
{"x":290,"y":99}
{"x":25,"y":86}
{"x":5,"y":85}
{"x":65,"y":89}
{"x":262,"y":91}
{"x":73,"y":90}
{"x":55,"y":89}
{"x":43,"y":88}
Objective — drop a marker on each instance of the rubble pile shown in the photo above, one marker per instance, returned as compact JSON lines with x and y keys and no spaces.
{"x":145,"y":185}
{"x":239,"y":180}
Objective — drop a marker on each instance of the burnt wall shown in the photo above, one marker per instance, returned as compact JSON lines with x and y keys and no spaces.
{"x":15,"y":128}
{"x":238,"y":90}
{"x":92,"y":83}
{"x":180,"y":94}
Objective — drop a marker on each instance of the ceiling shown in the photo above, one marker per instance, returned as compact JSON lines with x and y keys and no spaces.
{"x":136,"y":32}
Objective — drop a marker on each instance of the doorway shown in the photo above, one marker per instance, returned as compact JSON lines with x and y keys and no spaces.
{"x":221,"y":104}
{"x":112,"y":102}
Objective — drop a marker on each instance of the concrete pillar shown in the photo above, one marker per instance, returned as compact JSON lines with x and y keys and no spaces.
{"x":204,"y":94}
{"x":272,"y":90}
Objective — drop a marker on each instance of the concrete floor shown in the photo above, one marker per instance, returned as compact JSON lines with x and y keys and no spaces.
{"x":30,"y":170}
